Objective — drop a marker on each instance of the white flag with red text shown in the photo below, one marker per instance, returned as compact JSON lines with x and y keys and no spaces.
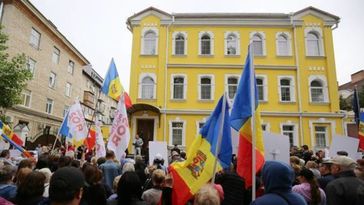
{"x":119,"y":136}
{"x":100,"y":144}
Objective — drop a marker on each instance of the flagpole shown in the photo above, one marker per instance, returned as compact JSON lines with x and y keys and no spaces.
{"x":358,"y":105}
{"x":252,"y":101}
{"x":219,"y":136}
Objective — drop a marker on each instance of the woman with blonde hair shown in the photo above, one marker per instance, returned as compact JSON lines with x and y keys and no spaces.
{"x":207,"y":195}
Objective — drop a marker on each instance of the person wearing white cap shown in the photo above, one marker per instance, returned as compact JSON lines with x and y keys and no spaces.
{"x":346,"y":188}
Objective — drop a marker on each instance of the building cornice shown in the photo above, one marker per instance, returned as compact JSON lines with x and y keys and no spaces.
{"x":36,"y":113}
{"x":237,"y":66}
{"x":48,"y":24}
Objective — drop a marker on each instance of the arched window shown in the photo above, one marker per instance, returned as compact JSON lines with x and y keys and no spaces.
{"x":150,"y":40}
{"x":317,"y":91}
{"x":232,"y":83}
{"x":231,"y":44}
{"x":283,"y":45}
{"x":313,"y":44}
{"x":205,"y":44}
{"x":179,"y":45}
{"x":257,"y":41}
{"x":147,"y":87}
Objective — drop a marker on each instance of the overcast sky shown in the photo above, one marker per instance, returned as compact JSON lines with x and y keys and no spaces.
{"x":97,"y":27}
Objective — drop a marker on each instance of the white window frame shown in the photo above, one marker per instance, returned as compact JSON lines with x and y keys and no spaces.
{"x":68,"y":89}
{"x":31,"y":63}
{"x":174,"y":36}
{"x":295,"y":131}
{"x":71,"y":67}
{"x":212,"y":89}
{"x":198,"y":125}
{"x":288,"y":36}
{"x":35,"y":37}
{"x":65,"y":110}
{"x":227,"y":76}
{"x":321,"y":122}
{"x":52,"y":83}
{"x":184,"y":76}
{"x":26,"y":96}
{"x":318,"y":32}
{"x":323,"y":80}
{"x":56,"y":55}
{"x":141,"y":77}
{"x":144,"y":32}
{"x":265,"y":87}
{"x":291,"y":88}
{"x":237,"y":36}
{"x":49,"y":106}
{"x":262,"y":35}
{"x":202,"y":33}
{"x":183,"y":131}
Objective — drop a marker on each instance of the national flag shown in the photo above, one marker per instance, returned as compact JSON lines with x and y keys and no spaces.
{"x":356,"y":107}
{"x":119,"y":136}
{"x":241,"y":116}
{"x":74,"y":126}
{"x":100,"y":144}
{"x":112,"y":86}
{"x":361,"y":132}
{"x":190,"y":175}
{"x":8,"y":135}
{"x":90,"y":140}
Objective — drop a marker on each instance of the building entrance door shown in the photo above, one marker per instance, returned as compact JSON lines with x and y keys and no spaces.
{"x":145,"y":129}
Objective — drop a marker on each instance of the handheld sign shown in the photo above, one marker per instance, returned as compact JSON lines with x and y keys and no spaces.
{"x":276,"y":147}
{"x":344,"y":143}
{"x":156,"y":147}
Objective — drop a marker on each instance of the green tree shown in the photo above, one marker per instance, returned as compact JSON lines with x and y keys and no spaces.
{"x":13,"y":76}
{"x":344,"y":104}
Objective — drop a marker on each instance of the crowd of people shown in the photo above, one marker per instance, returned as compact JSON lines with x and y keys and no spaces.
{"x":66,"y":179}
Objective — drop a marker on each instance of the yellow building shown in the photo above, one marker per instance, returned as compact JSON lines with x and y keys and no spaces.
{"x":183,"y":62}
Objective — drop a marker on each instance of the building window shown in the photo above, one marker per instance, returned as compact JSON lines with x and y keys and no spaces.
{"x":320,"y":135}
{"x":257,"y":45}
{"x":262,"y":87}
{"x":283,"y":44}
{"x":52,"y":80}
{"x":232,"y":86}
{"x":150,"y":40}
{"x":264,"y":127}
{"x":49,"y":106}
{"x":26,"y":97}
{"x":317,"y":91}
{"x":68,"y":89}
{"x":286,"y":89}
{"x":178,"y":86}
{"x":177,"y":133}
{"x":34,"y":38}
{"x":65,"y":110}
{"x":56,"y":55}
{"x":31,"y":65}
{"x":206,"y":87}
{"x":289,"y":131}
{"x":231,"y":43}
{"x":147,"y":88}
{"x":206,"y":43}
{"x":314,"y":41}
{"x":180,"y":43}
{"x":71,"y":67}
{"x":199,"y":124}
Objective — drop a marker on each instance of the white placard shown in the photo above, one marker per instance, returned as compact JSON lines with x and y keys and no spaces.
{"x":158,"y":147}
{"x":276,"y":147}
{"x":14,"y":153}
{"x":344,"y":143}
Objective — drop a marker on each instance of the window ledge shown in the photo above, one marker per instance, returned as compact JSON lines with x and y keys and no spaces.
{"x":146,"y":99}
{"x":320,"y":103}
{"x":287,"y":102}
{"x":206,"y":55}
{"x":35,"y":47}
{"x":232,"y":56}
{"x":149,"y":55}
{"x":205,"y":100}
{"x":284,"y":56}
{"x":263,"y":101}
{"x":317,"y":57}
{"x":178,"y":100}
{"x":179,"y":55}
{"x":259,"y":56}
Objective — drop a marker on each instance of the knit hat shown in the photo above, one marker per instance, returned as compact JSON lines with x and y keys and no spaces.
{"x":344,"y":161}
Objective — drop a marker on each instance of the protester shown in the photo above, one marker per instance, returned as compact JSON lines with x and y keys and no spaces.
{"x":325,"y":171}
{"x":138,"y":143}
{"x":309,"y":188}
{"x":359,"y":170}
{"x":110,"y":169}
{"x":127,"y":167}
{"x":207,"y":195}
{"x":5,"y":157}
{"x":153,"y":195}
{"x":139,"y":167}
{"x":66,"y":186}
{"x":346,"y":188}
{"x":94,"y":192}
{"x":233,"y":186}
{"x":7,"y":188}
{"x":47,"y":173}
{"x":277,"y":179}
{"x":30,"y":191}
{"x":313,"y":166}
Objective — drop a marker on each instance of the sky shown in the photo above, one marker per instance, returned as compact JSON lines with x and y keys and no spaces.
{"x":98,"y":28}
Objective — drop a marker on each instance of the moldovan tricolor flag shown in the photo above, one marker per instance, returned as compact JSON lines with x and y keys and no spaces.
{"x":8,"y":135}
{"x":112,"y":86}
{"x":241,"y":116}
{"x":119,"y":136}
{"x":190,"y":175}
{"x":74,"y":126}
{"x":361,"y":131}
{"x":100,"y":144}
